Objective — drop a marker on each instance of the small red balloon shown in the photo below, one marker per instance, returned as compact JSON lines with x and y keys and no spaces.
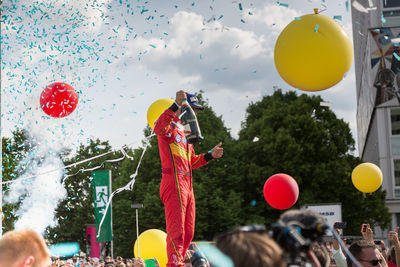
{"x":281,"y":191}
{"x":58,"y":100}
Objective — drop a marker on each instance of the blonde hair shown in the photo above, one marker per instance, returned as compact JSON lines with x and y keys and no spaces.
{"x":20,"y":244}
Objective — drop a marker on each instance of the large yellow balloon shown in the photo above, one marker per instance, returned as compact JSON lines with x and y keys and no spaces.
{"x":367,"y":177}
{"x":152,"y":244}
{"x":313,"y":53}
{"x":157,"y":108}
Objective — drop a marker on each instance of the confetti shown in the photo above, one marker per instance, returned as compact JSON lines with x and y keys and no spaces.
{"x":316,"y":28}
{"x":396,"y":56}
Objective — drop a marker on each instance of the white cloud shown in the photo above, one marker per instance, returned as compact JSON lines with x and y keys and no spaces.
{"x":275,"y":17}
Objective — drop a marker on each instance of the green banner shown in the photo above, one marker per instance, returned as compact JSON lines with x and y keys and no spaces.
{"x":101,"y":193}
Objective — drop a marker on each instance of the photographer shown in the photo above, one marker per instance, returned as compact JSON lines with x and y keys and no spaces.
{"x":300,"y":234}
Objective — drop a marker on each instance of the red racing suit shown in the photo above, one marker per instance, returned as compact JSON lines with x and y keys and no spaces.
{"x":176,"y":190}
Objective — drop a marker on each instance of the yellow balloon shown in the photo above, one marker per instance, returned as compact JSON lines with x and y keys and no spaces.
{"x":367,"y":177}
{"x":152,"y":244}
{"x":157,"y":108}
{"x":313,"y":53}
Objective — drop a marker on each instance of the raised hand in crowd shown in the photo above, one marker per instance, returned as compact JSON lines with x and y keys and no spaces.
{"x":139,"y":262}
{"x":337,"y":254}
{"x":393,"y":237}
{"x":368,"y":234}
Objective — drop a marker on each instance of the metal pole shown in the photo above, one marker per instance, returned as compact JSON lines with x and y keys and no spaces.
{"x":137,"y":207}
{"x":137,"y":231}
{"x":112,"y":232}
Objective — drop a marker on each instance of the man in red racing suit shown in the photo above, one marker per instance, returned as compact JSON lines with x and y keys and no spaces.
{"x":176,"y":191}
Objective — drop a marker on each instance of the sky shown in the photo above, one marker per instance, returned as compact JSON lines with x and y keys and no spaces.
{"x":122,"y":55}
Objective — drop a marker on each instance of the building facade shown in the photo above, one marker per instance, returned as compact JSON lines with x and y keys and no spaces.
{"x":376,"y":35}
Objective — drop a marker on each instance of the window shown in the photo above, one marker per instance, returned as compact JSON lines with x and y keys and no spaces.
{"x":391,"y":3}
{"x":395,"y":121}
{"x":397,"y":172}
{"x":395,"y":146}
{"x":396,"y":178}
{"x":397,"y":220}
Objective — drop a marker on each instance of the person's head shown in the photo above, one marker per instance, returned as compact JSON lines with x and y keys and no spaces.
{"x":366,"y":253}
{"x":251,"y":246}
{"x":108,"y":259}
{"x":23,"y":248}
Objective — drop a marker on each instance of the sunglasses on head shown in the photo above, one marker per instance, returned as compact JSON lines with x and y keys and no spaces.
{"x":373,"y":262}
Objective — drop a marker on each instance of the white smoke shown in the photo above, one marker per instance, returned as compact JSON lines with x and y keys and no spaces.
{"x":39,"y":196}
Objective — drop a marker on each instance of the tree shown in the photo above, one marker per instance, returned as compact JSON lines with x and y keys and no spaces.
{"x":77,"y":209}
{"x":14,"y":149}
{"x":299,"y":137}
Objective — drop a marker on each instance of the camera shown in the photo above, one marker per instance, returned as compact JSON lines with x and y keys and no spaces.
{"x":364,"y":227}
{"x":296,"y":238}
{"x":199,"y":260}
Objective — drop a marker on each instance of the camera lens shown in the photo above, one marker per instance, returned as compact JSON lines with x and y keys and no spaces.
{"x":199,"y":260}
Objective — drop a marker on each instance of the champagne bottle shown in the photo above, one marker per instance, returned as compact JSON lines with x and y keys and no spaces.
{"x":190,"y":124}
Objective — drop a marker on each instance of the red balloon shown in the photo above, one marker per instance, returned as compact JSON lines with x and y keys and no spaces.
{"x":58,"y":100}
{"x":281,"y":191}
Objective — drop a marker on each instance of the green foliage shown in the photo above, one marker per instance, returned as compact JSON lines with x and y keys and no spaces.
{"x":299,"y":137}
{"x":13,"y":150}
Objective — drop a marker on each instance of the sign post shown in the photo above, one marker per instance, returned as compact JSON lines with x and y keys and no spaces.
{"x":101,"y":194}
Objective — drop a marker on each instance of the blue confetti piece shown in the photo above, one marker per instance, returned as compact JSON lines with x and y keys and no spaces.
{"x":297,"y":18}
{"x":284,"y":5}
{"x":152,"y":46}
{"x":383,"y":19}
{"x":316,"y":28}
{"x":396,"y":56}
{"x":253,"y":203}
{"x":240,"y":6}
{"x":347,"y":5}
{"x":337,"y":17}
{"x":242,"y":21}
{"x":396,"y":44}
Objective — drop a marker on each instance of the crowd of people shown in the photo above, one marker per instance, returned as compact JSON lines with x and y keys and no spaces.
{"x":294,"y":240}
{"x":77,"y":261}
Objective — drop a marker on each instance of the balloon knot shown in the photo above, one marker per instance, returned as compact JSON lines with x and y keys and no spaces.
{"x":316,"y":10}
